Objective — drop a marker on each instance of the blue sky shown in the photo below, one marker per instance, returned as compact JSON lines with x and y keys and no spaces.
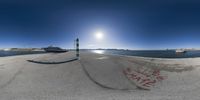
{"x":124,"y":23}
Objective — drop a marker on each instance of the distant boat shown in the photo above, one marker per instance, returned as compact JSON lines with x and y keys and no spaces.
{"x":54,"y":49}
{"x":180,"y":51}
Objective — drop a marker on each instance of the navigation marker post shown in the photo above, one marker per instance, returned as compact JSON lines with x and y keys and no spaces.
{"x":77,"y":48}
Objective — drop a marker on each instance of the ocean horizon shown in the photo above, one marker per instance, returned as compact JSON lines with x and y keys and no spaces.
{"x":14,"y":53}
{"x":151,"y":53}
{"x":140,"y":53}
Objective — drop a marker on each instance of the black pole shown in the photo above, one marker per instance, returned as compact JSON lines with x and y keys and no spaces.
{"x":77,"y":48}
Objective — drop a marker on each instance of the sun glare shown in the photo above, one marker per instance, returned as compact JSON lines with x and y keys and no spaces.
{"x":99,"y":35}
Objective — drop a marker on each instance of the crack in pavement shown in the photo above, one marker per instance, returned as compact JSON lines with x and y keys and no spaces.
{"x":13,"y":78}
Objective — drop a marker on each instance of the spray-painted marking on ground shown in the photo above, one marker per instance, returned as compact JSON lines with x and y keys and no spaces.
{"x":144,"y":78}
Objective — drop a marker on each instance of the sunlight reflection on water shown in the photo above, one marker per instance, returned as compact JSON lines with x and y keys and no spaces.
{"x":98,"y":51}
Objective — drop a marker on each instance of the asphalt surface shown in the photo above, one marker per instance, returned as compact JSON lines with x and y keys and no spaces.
{"x":23,"y":80}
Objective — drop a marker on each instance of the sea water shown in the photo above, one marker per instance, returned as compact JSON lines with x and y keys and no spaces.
{"x":12,"y":53}
{"x":141,"y":53}
{"x":151,"y":53}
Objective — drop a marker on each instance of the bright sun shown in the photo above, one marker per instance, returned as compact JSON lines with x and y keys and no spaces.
{"x":99,"y":35}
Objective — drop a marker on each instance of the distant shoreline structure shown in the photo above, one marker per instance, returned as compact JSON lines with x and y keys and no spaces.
{"x":180,"y":51}
{"x":22,"y":49}
{"x":54,"y":49}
